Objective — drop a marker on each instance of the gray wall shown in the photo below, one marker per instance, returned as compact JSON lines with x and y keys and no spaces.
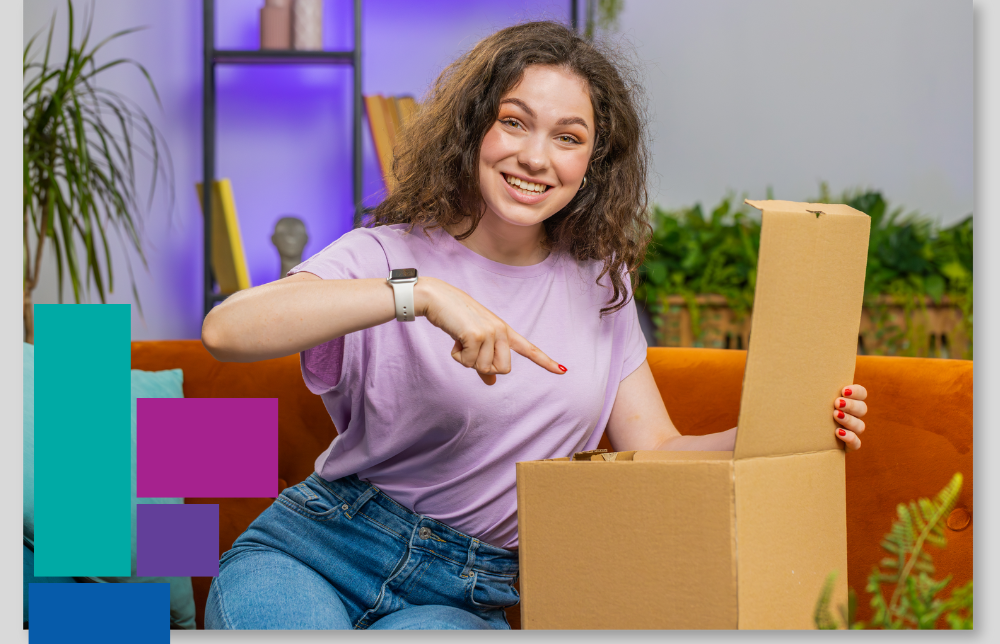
{"x":743,"y":93}
{"x":786,"y":93}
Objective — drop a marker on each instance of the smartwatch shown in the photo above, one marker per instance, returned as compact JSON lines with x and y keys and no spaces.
{"x":402,"y":280}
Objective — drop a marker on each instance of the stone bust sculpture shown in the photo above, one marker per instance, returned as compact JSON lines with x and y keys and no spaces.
{"x":290,"y":239}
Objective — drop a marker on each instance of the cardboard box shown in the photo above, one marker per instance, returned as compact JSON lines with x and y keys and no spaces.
{"x":742,"y":539}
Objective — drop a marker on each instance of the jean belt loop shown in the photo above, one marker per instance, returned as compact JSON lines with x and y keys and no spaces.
{"x":471,"y":561}
{"x":360,"y":501}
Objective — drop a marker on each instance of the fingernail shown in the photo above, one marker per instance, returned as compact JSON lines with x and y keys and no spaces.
{"x":563,"y":368}
{"x":843,"y":403}
{"x":842,"y":432}
{"x":840,"y":414}
{"x":847,"y":392}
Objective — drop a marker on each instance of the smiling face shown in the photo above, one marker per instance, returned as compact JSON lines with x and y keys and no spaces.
{"x":534,"y":157}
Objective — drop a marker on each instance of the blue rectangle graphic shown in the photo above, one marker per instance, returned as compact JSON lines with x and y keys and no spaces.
{"x":99,"y":613}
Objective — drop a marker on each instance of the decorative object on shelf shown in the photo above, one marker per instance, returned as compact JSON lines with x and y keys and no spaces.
{"x":80,"y":145}
{"x":307,"y":20}
{"x":290,"y":238}
{"x":915,"y":602}
{"x":229,"y":264}
{"x":387,"y":116}
{"x":276,"y":24}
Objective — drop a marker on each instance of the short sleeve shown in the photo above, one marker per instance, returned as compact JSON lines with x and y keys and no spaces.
{"x":356,"y":255}
{"x":632,"y":338}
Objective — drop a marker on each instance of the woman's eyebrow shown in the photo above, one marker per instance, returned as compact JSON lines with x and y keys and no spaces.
{"x":570,"y":120}
{"x":567,"y":120}
{"x":521,"y":104}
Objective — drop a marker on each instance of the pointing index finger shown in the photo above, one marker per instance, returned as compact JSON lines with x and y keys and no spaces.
{"x":533,"y":353}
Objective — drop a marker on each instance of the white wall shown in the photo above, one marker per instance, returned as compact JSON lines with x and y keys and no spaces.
{"x":744,"y":94}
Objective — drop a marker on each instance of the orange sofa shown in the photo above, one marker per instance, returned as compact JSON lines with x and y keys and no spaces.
{"x":919,"y":434}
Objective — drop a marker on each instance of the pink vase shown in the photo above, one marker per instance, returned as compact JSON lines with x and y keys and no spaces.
{"x":276,"y":25}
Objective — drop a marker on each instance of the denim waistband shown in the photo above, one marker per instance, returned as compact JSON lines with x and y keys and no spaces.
{"x":421,"y":531}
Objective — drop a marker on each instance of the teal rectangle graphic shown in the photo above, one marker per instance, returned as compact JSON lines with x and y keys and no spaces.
{"x":83,"y":440}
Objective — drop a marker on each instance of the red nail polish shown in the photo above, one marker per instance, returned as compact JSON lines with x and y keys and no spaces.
{"x":847,"y":392}
{"x":842,"y":432}
{"x":563,"y":368}
{"x":840,"y":414}
{"x":843,"y":403}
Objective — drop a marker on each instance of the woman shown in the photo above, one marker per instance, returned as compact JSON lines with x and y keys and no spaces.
{"x":520,"y":211}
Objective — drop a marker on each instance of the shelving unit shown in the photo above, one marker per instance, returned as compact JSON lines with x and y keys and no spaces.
{"x":214,"y":57}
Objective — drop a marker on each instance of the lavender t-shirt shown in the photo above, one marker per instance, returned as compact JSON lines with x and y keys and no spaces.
{"x":426,"y":430}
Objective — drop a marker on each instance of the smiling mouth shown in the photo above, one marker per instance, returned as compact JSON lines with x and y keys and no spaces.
{"x":525,"y":187}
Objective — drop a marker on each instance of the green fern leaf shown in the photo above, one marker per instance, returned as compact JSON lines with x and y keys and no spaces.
{"x":931,"y":516}
{"x":822,"y":616}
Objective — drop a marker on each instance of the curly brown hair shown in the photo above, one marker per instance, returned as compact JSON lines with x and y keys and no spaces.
{"x":436,"y":162}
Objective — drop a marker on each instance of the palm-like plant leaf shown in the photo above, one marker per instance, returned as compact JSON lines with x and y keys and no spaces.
{"x":81,"y":147}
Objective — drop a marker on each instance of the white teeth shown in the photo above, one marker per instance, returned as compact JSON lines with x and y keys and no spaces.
{"x":526,"y":186}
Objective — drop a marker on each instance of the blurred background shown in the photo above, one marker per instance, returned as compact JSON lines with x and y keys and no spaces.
{"x":863,"y":101}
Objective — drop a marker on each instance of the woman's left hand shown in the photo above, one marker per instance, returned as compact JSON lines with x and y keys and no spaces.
{"x":848,"y":410}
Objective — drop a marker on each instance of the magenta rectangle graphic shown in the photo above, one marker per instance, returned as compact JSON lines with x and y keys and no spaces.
{"x":177,"y":540}
{"x":207,"y":447}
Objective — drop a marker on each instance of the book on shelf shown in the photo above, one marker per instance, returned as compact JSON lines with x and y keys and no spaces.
{"x":381,"y":137}
{"x":407,"y":107}
{"x":387,"y":115}
{"x":229,"y":263}
{"x":389,"y":102}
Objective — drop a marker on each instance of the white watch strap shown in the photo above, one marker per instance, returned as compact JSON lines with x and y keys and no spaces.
{"x":403,"y":293}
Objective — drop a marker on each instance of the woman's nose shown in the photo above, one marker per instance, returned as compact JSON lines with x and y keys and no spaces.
{"x":533,"y":155}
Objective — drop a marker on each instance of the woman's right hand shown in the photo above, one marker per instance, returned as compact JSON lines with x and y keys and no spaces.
{"x":482,"y":340}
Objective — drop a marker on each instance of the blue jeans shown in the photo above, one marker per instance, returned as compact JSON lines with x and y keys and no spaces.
{"x":341,"y":554}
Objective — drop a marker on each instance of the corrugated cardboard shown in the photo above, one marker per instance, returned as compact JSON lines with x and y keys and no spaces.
{"x":743,"y":539}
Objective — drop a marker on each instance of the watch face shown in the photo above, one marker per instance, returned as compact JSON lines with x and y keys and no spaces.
{"x":403,"y":274}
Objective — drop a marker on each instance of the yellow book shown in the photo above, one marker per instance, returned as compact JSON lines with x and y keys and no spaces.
{"x":407,"y":106}
{"x":381,"y":128}
{"x":389,"y":105}
{"x":228,"y":261}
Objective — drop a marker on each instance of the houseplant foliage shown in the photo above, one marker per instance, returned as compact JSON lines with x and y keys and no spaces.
{"x":601,"y":14}
{"x":692,"y":254}
{"x":81,"y":144}
{"x":906,"y":574}
{"x":910,"y":261}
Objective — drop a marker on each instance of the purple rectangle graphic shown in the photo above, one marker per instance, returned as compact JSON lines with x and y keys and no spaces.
{"x":177,"y":540}
{"x":207,"y":447}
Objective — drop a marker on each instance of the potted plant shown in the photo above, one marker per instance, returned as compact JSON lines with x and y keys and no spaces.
{"x":81,"y":143}
{"x":699,"y":276}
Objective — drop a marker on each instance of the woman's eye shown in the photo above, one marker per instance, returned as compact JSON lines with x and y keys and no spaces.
{"x":565,"y":138}
{"x":510,"y":122}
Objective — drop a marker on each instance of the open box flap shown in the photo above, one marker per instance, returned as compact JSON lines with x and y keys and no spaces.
{"x":804,"y":330}
{"x":774,"y":205}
